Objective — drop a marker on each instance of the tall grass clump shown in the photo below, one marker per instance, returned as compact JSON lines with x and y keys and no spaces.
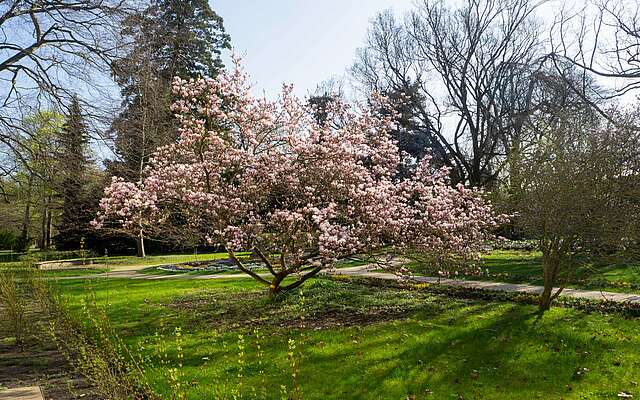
{"x":13,"y":308}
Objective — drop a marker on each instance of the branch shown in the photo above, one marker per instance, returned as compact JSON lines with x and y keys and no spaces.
{"x":303,"y":279}
{"x":244,"y":269}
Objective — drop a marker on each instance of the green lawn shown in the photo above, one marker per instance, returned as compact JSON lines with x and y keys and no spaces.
{"x":104,"y":264}
{"x":121,"y":261}
{"x":526,"y":267}
{"x":363,"y":342}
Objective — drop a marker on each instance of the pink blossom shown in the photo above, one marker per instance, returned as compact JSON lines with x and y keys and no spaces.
{"x":253,"y":174}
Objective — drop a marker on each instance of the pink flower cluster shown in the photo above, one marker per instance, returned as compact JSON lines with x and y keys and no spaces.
{"x":250,"y":173}
{"x":127,"y":205}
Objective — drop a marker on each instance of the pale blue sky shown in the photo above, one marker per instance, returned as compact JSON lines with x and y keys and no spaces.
{"x":298,"y":41}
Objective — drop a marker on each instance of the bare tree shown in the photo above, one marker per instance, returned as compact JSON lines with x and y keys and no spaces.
{"x":602,"y":40}
{"x":49,"y":50}
{"x":579,"y":195}
{"x":468,"y":72}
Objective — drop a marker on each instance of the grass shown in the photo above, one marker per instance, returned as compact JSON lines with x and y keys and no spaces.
{"x":105,"y":264}
{"x":22,"y":267}
{"x":160,"y":272}
{"x":122,"y":261}
{"x":515,"y":266}
{"x":365,"y":342}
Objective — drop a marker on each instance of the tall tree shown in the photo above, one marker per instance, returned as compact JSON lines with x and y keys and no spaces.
{"x":170,"y":38}
{"x":465,"y":68}
{"x":74,"y":164}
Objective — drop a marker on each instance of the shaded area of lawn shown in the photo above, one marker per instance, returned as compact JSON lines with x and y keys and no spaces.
{"x":366,"y":342}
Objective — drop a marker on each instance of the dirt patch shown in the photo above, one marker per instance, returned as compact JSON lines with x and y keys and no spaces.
{"x":254,"y":309}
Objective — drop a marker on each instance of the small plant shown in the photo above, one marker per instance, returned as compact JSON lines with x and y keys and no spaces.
{"x":12,"y":307}
{"x":87,"y":340}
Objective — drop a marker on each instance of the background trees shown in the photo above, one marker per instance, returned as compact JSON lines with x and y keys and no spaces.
{"x":53,"y":51}
{"x":33,"y":183}
{"x":170,"y":38}
{"x":46,"y":52}
{"x":49,"y":51}
{"x":466,"y":74}
{"x":601,"y":39}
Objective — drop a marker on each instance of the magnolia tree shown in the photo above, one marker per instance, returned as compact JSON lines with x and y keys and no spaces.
{"x":267,"y":177}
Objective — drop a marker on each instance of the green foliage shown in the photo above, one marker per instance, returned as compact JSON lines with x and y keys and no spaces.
{"x":8,"y":240}
{"x":13,"y":307}
{"x":189,"y":37}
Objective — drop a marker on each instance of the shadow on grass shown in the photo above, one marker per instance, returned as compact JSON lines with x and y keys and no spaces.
{"x":436,"y":347}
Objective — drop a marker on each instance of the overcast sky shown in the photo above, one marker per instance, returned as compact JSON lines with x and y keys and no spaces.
{"x":298,"y":41}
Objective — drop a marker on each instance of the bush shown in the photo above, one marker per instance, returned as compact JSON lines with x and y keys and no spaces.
{"x":8,"y":240}
{"x":13,"y":307}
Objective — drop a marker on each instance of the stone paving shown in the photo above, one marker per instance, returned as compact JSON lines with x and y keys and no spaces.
{"x":25,"y":393}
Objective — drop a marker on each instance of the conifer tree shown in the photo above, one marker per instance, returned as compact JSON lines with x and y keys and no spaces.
{"x":74,"y":169}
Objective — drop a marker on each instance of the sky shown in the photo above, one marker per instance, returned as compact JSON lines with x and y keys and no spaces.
{"x":301,"y":42}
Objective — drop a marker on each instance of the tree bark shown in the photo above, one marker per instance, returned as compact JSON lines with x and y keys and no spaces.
{"x":25,"y":221}
{"x":550,"y":267}
{"x":47,"y":242}
{"x":140,"y":245}
{"x":42,"y":243}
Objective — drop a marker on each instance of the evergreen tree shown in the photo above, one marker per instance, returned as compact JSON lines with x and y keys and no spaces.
{"x":74,"y":167}
{"x":189,"y":38}
{"x":171,"y":38}
{"x":415,"y":139}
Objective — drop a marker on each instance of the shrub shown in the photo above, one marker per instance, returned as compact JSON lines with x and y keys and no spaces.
{"x":13,"y":307}
{"x":8,"y":240}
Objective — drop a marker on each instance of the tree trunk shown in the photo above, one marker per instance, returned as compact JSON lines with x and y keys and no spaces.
{"x":275,"y":287}
{"x":47,"y":243}
{"x":550,"y":267}
{"x":45,"y":234}
{"x":545,"y":298}
{"x":140,"y":245}
{"x":42,"y":242}
{"x":25,"y":221}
